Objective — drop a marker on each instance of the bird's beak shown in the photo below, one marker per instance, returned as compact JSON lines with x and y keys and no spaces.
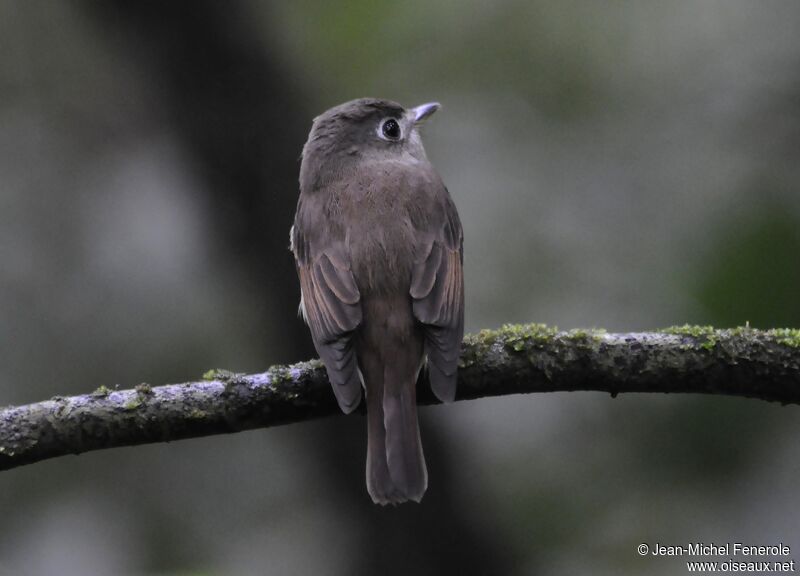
{"x":422,"y":111}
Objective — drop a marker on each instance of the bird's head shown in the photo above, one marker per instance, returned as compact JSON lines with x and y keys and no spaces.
{"x":362,"y":131}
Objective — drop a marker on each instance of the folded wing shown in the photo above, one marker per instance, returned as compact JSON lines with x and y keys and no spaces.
{"x":437,"y":290}
{"x":331,"y":306}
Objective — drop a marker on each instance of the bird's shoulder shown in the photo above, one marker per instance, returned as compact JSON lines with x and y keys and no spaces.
{"x":316,"y":228}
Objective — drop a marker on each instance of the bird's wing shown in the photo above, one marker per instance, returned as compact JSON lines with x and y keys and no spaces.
{"x":437,"y":290}
{"x":330,"y":304}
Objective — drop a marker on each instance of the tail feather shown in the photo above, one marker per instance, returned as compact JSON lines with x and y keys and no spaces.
{"x":404,"y":456}
{"x":396,"y":469}
{"x":380,"y":486}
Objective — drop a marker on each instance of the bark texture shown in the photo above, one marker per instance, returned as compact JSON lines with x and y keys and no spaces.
{"x":514,"y":359}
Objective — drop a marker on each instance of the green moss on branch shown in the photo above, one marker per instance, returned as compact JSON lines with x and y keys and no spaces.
{"x":513,"y":359}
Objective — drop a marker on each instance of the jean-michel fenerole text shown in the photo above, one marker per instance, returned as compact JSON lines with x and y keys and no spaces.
{"x":728,"y":549}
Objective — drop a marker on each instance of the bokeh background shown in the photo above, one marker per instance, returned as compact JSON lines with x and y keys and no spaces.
{"x":625,"y":165}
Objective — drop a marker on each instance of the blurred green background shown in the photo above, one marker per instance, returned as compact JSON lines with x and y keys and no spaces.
{"x":627,"y":165}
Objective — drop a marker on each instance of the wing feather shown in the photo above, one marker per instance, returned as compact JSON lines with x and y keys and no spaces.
{"x":437,"y":290}
{"x":332,"y":308}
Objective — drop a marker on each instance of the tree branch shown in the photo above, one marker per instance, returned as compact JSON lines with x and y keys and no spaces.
{"x":515,"y":359}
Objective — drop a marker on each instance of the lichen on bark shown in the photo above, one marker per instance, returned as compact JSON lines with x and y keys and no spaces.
{"x":514,"y":359}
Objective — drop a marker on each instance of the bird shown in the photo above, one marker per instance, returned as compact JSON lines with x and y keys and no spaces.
{"x":378,"y":247}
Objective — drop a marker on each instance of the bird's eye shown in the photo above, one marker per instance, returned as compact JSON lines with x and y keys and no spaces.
{"x":390,"y":129}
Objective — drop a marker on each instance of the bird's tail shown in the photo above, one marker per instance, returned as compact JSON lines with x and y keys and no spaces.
{"x":395,"y":464}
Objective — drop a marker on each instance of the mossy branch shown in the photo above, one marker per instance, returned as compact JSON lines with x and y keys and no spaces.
{"x":512,"y":360}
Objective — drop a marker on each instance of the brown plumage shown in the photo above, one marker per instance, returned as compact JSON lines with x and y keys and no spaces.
{"x":378,"y":246}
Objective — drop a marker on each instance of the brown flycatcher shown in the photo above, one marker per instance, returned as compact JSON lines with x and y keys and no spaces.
{"x":378,"y":246}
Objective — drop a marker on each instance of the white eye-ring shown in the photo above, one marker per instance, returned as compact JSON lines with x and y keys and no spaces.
{"x":389,"y":129}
